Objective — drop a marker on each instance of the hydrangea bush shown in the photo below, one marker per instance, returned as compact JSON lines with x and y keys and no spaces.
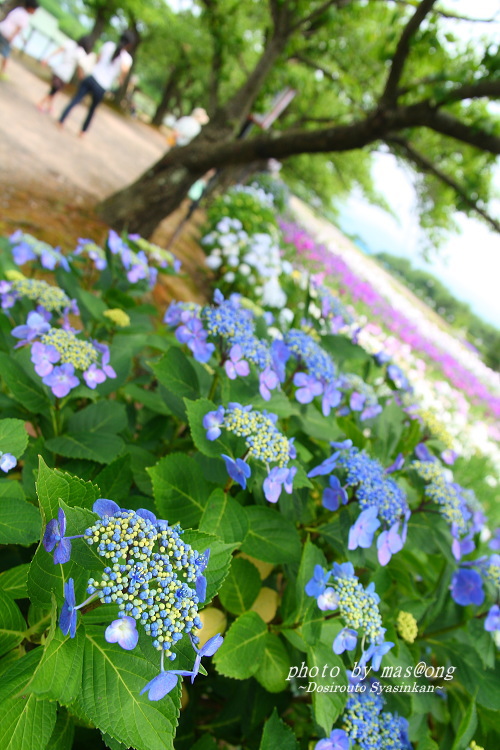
{"x":229,"y":525}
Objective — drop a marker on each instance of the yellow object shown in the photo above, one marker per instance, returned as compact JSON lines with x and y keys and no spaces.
{"x":184,"y":697}
{"x":14,"y":275}
{"x":117,"y":316}
{"x":214,"y":622}
{"x":266,"y":603}
{"x":407,"y":627}
{"x":263,"y":567}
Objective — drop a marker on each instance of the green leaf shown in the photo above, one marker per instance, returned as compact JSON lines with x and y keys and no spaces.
{"x":242,"y":652}
{"x":25,"y":723}
{"x":12,"y":624}
{"x":271,"y":537}
{"x":102,"y":447}
{"x":224,"y":517}
{"x":14,"y":581}
{"x":64,"y":731}
{"x":219,"y":562}
{"x":176,"y":373}
{"x":151,"y":399}
{"x":273,"y":671}
{"x":115,"y":479}
{"x":196,"y":410}
{"x":105,"y":416}
{"x":13,"y":437}
{"x":241,"y":587}
{"x":277,"y":734}
{"x":59,"y":673}
{"x":327,"y":706}
{"x":25,"y":390}
{"x":180,"y":491}
{"x":53,"y":485}
{"x":110,"y":696}
{"x":467,"y":727}
{"x":20,"y":521}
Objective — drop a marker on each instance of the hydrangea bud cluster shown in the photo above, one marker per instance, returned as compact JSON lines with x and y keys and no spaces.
{"x":339,"y":588}
{"x":45,"y":295}
{"x":447,"y":495}
{"x":309,"y":353}
{"x":161,"y":257}
{"x":149,"y":576}
{"x":407,"y":626}
{"x":374,"y":488}
{"x":370,"y":727}
{"x":25,"y":248}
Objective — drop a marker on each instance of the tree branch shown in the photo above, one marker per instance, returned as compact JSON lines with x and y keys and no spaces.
{"x":425,"y":165}
{"x":447,"y":14}
{"x":481,"y":87}
{"x":318,"y":12}
{"x":389,"y":95}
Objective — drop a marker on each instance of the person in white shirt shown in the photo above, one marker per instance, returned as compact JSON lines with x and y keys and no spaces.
{"x":113,"y":64}
{"x":69,"y":57}
{"x":13,"y":23}
{"x":187,"y":128}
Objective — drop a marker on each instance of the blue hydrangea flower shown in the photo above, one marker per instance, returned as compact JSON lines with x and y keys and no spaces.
{"x":362,"y":532}
{"x":334,"y":495}
{"x":388,"y":543}
{"x":326,"y":467}
{"x":201,"y":581}
{"x":338,"y":740}
{"x":208,"y":649}
{"x":212,"y":422}
{"x":67,"y":618}
{"x":124,"y":632}
{"x":61,"y":380}
{"x":278,"y":479}
{"x":236,"y":366}
{"x":467,"y":587}
{"x":375,"y":652}
{"x":307,"y":387}
{"x":36,"y":325}
{"x":54,"y":538}
{"x":162,"y":684}
{"x":44,"y":357}
{"x":346,"y":640}
{"x":328,"y":600}
{"x":492,"y":621}
{"x":316,"y":586}
{"x":237,"y":469}
{"x":7,"y":461}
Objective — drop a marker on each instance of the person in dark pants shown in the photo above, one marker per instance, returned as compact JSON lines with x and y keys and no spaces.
{"x":113,"y":63}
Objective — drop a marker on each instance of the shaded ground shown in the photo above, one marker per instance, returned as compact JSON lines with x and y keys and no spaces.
{"x":51,"y":179}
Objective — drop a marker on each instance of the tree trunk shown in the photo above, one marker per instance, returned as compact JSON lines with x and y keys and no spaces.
{"x":168,"y":91}
{"x":100,"y":22}
{"x":140,"y":207}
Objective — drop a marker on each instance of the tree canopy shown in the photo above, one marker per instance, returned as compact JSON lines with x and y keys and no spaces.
{"x":370,"y":75}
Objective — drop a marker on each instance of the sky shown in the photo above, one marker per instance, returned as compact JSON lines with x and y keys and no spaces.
{"x":467,"y":262}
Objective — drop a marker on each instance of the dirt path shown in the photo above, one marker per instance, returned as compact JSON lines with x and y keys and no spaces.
{"x":51,"y":179}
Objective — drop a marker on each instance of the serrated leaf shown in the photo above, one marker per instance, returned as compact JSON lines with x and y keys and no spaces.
{"x":242,"y":652}
{"x":180,"y":491}
{"x":105,"y":416}
{"x":326,"y":706}
{"x":102,"y":447}
{"x":271,"y":537}
{"x":177,"y":375}
{"x":20,"y":521}
{"x":224,"y":517}
{"x":53,"y":485}
{"x":64,"y":731}
{"x":277,"y":734}
{"x":110,"y":696}
{"x":13,"y":437}
{"x":275,"y":665}
{"x":241,"y":587}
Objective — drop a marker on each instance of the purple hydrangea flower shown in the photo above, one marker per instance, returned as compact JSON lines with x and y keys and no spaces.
{"x":307,"y":387}
{"x":94,"y":376}
{"x":325,"y":467}
{"x":163,"y":683}
{"x":357,"y":401}
{"x":280,"y":354}
{"x":334,"y":495}
{"x":461,"y":547}
{"x":44,"y":357}
{"x":54,"y":538}
{"x":278,"y":479}
{"x":7,"y":461}
{"x":329,"y":599}
{"x":268,"y":381}
{"x":67,"y":618}
{"x":201,"y":581}
{"x":397,"y":465}
{"x":388,"y":543}
{"x":361,"y":533}
{"x":423,"y":453}
{"x":346,"y":640}
{"x":467,"y":587}
{"x":331,"y":398}
{"x":35,"y":326}
{"x":236,"y":365}
{"x":212,"y":421}
{"x":61,"y":380}
{"x":494,"y":542}
{"x":124,"y":632}
{"x":371,"y":411}
{"x":343,"y":570}
{"x":338,"y":740}
{"x":194,"y":336}
{"x":238,"y":470}
{"x":492,"y":621}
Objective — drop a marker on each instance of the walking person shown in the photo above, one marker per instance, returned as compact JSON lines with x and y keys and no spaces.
{"x":13,"y":23}
{"x":69,"y":57}
{"x":113,"y":64}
